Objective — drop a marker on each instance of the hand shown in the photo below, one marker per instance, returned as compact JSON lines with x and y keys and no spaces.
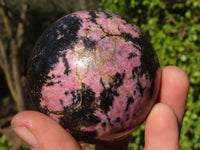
{"x":161,"y":129}
{"x":164,"y":121}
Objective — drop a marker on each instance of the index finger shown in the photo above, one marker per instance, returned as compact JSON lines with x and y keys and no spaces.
{"x":174,"y":90}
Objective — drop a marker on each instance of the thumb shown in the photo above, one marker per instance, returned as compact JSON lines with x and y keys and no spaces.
{"x":42,"y":133}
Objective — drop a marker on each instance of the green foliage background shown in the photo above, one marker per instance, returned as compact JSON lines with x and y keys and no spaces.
{"x":4,"y":143}
{"x":174,"y":29}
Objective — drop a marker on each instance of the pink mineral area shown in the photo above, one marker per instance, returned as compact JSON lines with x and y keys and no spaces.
{"x":107,"y":47}
{"x":132,"y":29}
{"x":78,"y":48}
{"x":120,"y":102}
{"x":109,"y":25}
{"x":90,"y":30}
{"x":127,"y":86}
{"x":52,"y":95}
{"x":70,"y":82}
{"x":128,"y":65}
{"x":124,"y":49}
{"x":107,"y":70}
{"x":58,"y":68}
{"x":85,"y":25}
{"x":95,"y":34}
{"x":82,"y":14}
{"x":70,"y":57}
{"x":93,"y":80}
{"x":118,"y":108}
{"x":101,"y":14}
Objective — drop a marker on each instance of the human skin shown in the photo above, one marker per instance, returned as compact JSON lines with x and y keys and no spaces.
{"x":162,"y":125}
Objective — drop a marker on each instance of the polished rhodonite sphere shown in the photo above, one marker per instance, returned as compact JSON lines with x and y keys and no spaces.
{"x":95,"y":74}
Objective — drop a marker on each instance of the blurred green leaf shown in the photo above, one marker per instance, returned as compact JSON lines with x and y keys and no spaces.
{"x":4,"y":143}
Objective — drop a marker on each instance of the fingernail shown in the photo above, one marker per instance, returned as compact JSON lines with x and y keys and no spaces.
{"x":26,"y":136}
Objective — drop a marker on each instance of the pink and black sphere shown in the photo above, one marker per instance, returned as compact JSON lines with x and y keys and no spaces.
{"x":95,"y":74}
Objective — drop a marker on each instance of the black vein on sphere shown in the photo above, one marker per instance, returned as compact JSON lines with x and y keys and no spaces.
{"x":108,"y":94}
{"x":47,"y":52}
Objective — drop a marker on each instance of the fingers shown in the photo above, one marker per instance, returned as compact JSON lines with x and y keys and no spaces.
{"x":42,"y":133}
{"x":161,"y":129}
{"x":162,"y":124}
{"x":174,"y":90}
